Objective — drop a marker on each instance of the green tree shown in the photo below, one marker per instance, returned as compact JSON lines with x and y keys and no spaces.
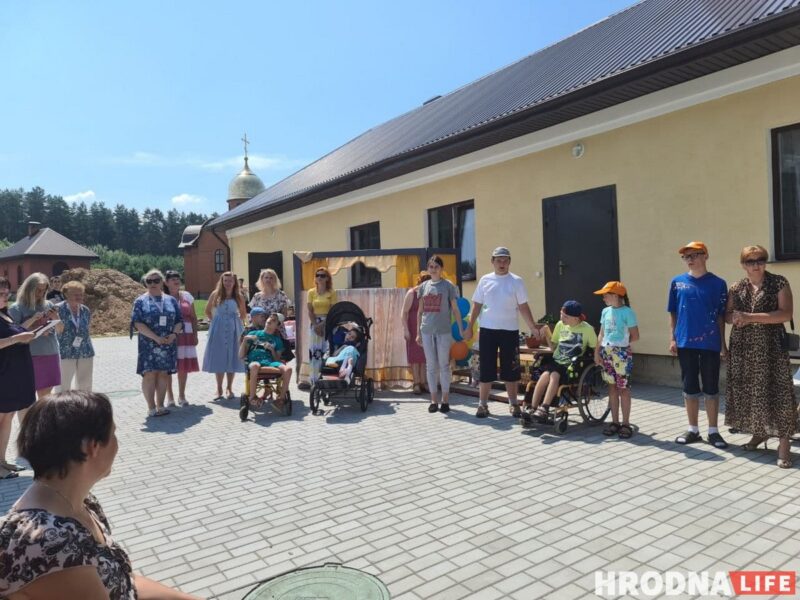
{"x":102,"y":224}
{"x":58,"y":216}
{"x":12,"y":215}
{"x":81,"y":224}
{"x":34,"y":205}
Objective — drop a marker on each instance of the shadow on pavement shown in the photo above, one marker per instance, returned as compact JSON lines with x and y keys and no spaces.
{"x":178,"y":420}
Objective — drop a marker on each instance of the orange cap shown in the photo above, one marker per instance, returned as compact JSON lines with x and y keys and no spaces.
{"x":613,"y":287}
{"x":699,"y":246}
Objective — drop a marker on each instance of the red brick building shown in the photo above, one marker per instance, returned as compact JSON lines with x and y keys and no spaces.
{"x":43,"y":250}
{"x":206,"y":253}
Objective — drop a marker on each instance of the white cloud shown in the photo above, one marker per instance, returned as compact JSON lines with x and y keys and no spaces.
{"x":87,"y":196}
{"x":258,"y":162}
{"x":183,"y":199}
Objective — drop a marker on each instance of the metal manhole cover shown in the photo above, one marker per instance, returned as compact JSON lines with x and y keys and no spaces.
{"x":328,"y":582}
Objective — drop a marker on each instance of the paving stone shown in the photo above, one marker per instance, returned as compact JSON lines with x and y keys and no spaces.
{"x":358,"y":488}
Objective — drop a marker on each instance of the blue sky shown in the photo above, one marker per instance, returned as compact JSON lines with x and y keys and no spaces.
{"x":144,"y":103}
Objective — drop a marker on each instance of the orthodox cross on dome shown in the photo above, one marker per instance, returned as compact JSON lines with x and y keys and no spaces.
{"x":246,"y":142}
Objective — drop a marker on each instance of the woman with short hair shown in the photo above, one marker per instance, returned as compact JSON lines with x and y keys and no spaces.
{"x":760,"y":393}
{"x":56,"y":294}
{"x":227,"y":313}
{"x":156,"y":317}
{"x":18,"y":390}
{"x":32,"y":310}
{"x":56,"y":542}
{"x":271,"y":297}
{"x":74,"y":342}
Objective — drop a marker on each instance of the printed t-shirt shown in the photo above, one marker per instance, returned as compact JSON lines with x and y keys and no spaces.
{"x":435,"y":299}
{"x":616,"y":323}
{"x":572,"y":341}
{"x":697,"y":303}
{"x":259,"y":353}
{"x":501,"y":296}
{"x":321,"y":302}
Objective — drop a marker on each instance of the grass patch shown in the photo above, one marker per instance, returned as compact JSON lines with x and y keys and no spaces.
{"x":200,"y":308}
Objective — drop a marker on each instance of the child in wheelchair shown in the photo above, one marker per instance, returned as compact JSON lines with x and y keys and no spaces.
{"x":346,"y":356}
{"x":262,"y":348}
{"x":571,"y":339}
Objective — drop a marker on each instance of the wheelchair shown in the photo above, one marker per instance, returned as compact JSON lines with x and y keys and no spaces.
{"x":584,"y":389}
{"x":269,"y":387}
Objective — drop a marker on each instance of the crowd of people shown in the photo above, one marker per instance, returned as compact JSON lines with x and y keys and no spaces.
{"x":68,"y":436}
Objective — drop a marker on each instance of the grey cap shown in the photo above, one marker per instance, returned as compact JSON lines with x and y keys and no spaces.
{"x":501,"y":251}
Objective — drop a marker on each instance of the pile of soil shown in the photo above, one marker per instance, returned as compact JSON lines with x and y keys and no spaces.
{"x":109,"y":295}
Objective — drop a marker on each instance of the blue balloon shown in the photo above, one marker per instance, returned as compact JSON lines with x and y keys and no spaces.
{"x":456,"y":334}
{"x":463,"y":306}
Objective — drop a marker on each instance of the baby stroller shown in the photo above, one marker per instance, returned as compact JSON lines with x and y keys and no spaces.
{"x":341,"y":317}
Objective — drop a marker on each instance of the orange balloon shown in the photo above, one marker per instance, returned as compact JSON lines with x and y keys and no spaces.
{"x":459,"y":350}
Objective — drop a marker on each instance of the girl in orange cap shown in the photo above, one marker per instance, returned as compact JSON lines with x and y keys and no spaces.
{"x":618,"y":328}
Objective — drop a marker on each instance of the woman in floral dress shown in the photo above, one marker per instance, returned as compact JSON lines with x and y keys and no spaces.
{"x":156,"y":317}
{"x":271,"y":296}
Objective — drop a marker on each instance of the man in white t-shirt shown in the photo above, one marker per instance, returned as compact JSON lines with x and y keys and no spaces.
{"x":497,"y":299}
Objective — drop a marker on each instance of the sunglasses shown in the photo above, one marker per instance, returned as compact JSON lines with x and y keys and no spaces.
{"x":692,"y":256}
{"x":323,"y":275}
{"x":755,"y":262}
{"x":152,"y":281}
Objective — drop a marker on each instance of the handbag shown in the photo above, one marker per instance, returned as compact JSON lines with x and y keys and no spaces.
{"x":790,"y":341}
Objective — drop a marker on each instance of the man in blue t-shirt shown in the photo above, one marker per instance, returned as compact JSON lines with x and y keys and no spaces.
{"x":696,"y":308}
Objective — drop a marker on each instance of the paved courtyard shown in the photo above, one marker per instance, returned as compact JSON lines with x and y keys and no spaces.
{"x":436,"y":506}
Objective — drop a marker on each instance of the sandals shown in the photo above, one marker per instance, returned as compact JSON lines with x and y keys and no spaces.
{"x":754,"y":443}
{"x":689,"y":437}
{"x":611,"y":429}
{"x":625,"y":431}
{"x":515,"y":411}
{"x":541,"y":413}
{"x":716,"y":440}
{"x":784,"y":463}
{"x":482,"y":412}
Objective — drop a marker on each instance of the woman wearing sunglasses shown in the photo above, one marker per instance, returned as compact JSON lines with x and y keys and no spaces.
{"x":156,"y":317}
{"x":760,"y":393}
{"x":320,"y":299}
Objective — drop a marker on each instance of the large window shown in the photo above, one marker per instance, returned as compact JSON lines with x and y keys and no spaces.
{"x":219,"y":261}
{"x":786,"y":190}
{"x":453,"y":226}
{"x":365,"y":237}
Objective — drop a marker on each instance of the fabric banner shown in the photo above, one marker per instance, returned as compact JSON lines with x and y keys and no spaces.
{"x":386,"y":358}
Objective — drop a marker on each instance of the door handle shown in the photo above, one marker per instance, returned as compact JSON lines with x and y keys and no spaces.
{"x":561,"y":266}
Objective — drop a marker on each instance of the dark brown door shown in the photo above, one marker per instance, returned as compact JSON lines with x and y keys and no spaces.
{"x":580,"y":248}
{"x":263,"y":260}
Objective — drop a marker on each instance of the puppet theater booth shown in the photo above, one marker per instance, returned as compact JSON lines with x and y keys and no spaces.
{"x":386,"y":358}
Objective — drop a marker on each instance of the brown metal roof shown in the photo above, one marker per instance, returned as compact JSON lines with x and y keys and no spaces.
{"x":649,"y":46}
{"x":47,"y":242}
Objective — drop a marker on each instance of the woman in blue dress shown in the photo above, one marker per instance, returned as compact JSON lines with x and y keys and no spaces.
{"x":226,"y":311}
{"x":157,"y":318}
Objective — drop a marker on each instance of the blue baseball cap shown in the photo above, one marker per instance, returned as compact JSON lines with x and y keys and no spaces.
{"x":257,"y":310}
{"x":573,"y":308}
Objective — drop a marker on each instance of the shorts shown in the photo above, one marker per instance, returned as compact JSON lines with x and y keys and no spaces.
{"x":699,"y":364}
{"x":270,"y":363}
{"x":554,"y":367}
{"x":617,"y":362}
{"x":507,"y":342}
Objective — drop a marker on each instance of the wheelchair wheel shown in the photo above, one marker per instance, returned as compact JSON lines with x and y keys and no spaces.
{"x":593,"y":395}
{"x":244,"y":408}
{"x":370,"y":390}
{"x":363,"y":397}
{"x":560,"y":425}
{"x":313,"y":399}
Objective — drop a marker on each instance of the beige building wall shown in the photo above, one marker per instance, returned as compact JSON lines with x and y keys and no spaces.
{"x":699,"y":173}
